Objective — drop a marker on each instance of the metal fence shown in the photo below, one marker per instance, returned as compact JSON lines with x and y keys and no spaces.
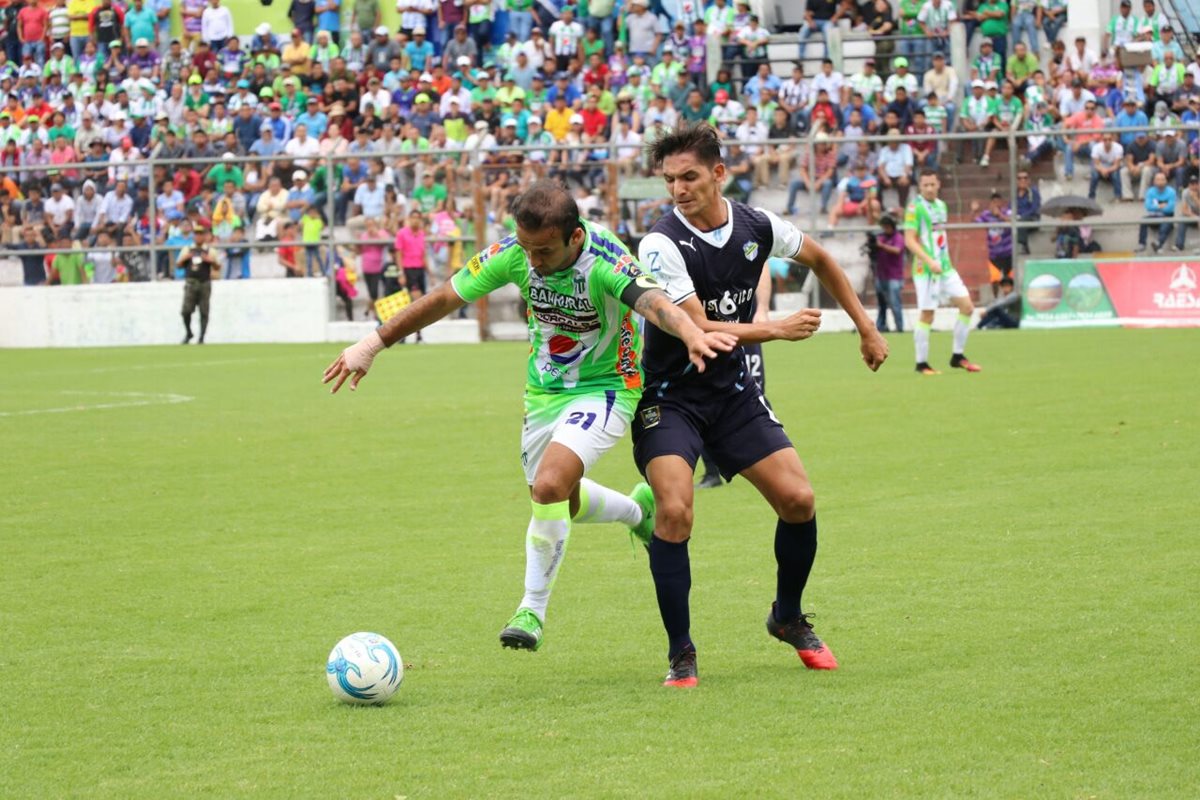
{"x":477,"y":181}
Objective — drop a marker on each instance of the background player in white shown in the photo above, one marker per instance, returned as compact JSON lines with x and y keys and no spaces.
{"x":709,"y":253}
{"x":934,"y":277}
{"x":580,"y":284}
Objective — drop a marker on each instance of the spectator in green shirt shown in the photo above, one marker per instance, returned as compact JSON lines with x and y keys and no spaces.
{"x":1021,"y":66}
{"x":69,"y":265}
{"x":994,"y":24}
{"x":429,"y":195}
{"x":225,"y":172}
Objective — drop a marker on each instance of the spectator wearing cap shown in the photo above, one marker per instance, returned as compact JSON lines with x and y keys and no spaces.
{"x":537,"y":50}
{"x":987,"y":65}
{"x":59,"y":212}
{"x":419,"y":52}
{"x":312,"y":118}
{"x":1130,"y":116}
{"x":461,"y":52}
{"x":563,"y":87}
{"x":901,"y":77}
{"x":1170,"y":158}
{"x":566,"y":39}
{"x":375,"y":96}
{"x":424,"y":116}
{"x":383,"y":49}
{"x":508,"y":94}
{"x":1107,"y":158}
{"x":1139,"y":166}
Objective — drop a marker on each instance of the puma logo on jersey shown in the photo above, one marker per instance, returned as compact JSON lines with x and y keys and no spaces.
{"x":690,"y":243}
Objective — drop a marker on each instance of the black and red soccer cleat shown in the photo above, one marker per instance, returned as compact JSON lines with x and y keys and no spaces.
{"x":959,"y":361}
{"x":924,"y":369}
{"x":683,"y":673}
{"x":799,"y":634}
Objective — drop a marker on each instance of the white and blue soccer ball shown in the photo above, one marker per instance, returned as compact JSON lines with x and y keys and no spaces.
{"x":364,"y":669}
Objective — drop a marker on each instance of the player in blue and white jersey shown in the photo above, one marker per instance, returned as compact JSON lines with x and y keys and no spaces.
{"x":708,"y":254}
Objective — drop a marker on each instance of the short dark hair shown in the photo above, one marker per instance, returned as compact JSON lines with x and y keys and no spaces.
{"x":700,"y":139}
{"x":547,"y":204}
{"x":929,"y":171}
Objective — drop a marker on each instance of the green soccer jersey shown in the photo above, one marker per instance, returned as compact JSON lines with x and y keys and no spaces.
{"x":582,"y":338}
{"x":929,"y":220}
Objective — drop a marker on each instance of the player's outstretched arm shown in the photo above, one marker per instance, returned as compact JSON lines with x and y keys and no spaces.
{"x":873,"y":346}
{"x":356,"y":359}
{"x":660,"y":312}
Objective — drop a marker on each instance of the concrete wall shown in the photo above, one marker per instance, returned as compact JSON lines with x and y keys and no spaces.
{"x":148,"y":313}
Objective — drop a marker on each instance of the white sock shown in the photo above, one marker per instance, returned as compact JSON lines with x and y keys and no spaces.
{"x":600,"y":504}
{"x":545,"y":546}
{"x":921,"y":342}
{"x":962,"y":326}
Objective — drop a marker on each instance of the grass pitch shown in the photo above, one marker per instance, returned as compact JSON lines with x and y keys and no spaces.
{"x":1008,"y":574}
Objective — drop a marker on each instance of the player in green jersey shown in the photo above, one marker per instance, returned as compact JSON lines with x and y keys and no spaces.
{"x":934,"y":276}
{"x":584,"y":378}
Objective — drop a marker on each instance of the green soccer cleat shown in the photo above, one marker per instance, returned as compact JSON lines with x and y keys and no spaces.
{"x":523,"y":632}
{"x":643,"y":495}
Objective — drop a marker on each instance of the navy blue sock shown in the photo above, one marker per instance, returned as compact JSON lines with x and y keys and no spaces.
{"x":795,"y":551}
{"x":672,"y":573}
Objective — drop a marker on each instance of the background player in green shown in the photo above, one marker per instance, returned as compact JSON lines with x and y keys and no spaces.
{"x":934,"y":276}
{"x":584,"y":375}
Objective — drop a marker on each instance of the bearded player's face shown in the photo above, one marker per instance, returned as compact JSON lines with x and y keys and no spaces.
{"x":693,"y":186}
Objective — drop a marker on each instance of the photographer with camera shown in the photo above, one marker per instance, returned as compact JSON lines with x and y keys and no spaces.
{"x":200,"y":263}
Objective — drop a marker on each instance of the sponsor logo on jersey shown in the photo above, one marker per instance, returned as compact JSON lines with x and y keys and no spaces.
{"x":475,"y":265}
{"x":726,"y":307}
{"x":548,"y":297}
{"x":565,"y":322}
{"x":564,"y":350}
{"x":627,"y":266}
{"x":749,"y":249}
{"x":651,"y":416}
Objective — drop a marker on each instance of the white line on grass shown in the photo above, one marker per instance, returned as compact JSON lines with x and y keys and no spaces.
{"x":134,"y":399}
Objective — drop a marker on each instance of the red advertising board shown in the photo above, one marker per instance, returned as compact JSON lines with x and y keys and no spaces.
{"x":1153,"y":293}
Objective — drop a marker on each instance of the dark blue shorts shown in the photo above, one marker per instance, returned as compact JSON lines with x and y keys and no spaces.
{"x":737,"y":430}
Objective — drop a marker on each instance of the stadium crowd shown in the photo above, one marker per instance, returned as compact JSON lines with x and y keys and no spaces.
{"x":104,"y":83}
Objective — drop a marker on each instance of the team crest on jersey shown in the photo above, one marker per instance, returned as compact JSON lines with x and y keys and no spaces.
{"x":749,"y":249}
{"x":651,"y":416}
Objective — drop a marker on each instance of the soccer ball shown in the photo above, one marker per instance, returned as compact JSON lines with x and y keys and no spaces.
{"x":364,"y":669}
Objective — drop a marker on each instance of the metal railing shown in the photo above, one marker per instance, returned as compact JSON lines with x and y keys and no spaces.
{"x":477,"y":175}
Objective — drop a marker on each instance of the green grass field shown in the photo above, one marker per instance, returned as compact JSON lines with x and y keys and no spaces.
{"x":1008,"y":575}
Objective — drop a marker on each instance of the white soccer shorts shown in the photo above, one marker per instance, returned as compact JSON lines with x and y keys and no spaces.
{"x":587,"y":425}
{"x":936,"y":290}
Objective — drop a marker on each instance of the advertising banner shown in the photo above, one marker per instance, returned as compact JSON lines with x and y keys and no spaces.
{"x":1131,"y":293}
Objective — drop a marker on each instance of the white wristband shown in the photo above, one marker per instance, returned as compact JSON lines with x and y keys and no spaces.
{"x":358,"y":356}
